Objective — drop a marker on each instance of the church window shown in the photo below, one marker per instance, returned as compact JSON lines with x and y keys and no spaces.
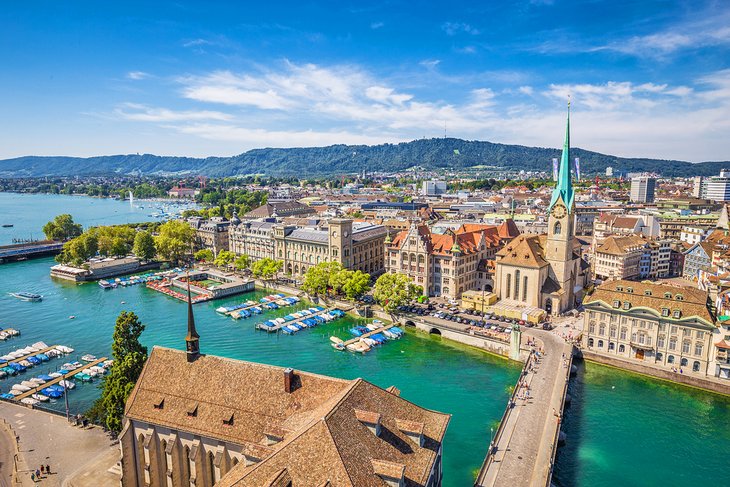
{"x":517,"y":284}
{"x":509,"y":285}
{"x":524,"y":288}
{"x":557,"y":228}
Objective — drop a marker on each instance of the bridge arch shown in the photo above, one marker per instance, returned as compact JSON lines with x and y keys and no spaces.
{"x":410,"y":323}
{"x":434,"y":331}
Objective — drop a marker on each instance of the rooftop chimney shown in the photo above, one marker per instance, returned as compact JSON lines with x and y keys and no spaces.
{"x":289,"y":380}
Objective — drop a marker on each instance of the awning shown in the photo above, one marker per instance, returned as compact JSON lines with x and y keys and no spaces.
{"x":723,"y":318}
{"x":642,"y":346}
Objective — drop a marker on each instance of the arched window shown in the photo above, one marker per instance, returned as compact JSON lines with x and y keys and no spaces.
{"x":211,"y":467}
{"x":557,"y":228}
{"x":590,"y":342}
{"x":600,"y":343}
{"x":517,"y":284}
{"x":509,"y":285}
{"x":696,"y":366}
{"x":524,"y":289}
{"x":611,"y":345}
{"x":670,"y":359}
{"x":684,"y":362}
{"x":659,"y":356}
{"x":621,"y":349}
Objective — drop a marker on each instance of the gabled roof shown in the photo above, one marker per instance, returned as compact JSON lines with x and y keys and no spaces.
{"x":616,"y":245}
{"x":508,"y":229}
{"x":524,"y":251}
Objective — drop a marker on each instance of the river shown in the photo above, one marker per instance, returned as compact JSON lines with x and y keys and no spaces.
{"x":622,"y":429}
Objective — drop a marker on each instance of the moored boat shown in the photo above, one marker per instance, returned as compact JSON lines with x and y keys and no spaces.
{"x":25,"y":296}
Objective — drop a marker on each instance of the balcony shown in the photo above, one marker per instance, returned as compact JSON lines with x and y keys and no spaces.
{"x":722,"y":356}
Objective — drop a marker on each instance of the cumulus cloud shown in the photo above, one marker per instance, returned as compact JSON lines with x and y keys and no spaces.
{"x":137,"y":75}
{"x":454,"y":28}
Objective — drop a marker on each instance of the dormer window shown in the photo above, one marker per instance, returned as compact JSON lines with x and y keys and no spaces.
{"x":229,"y":421}
{"x":668,"y":295}
{"x":665,"y":311}
{"x":616,"y":303}
{"x":193,"y":411}
{"x":679,"y":297}
{"x":647,"y":292}
{"x":630,"y":290}
{"x":160,"y":404}
{"x":677,"y":313}
{"x":627,"y":305}
{"x":619,"y":288}
{"x":370,"y":419}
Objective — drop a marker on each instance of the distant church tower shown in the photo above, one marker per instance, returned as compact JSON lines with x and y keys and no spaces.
{"x":192,"y":339}
{"x":559,"y":244}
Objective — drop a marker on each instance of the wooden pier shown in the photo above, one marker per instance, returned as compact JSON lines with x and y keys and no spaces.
{"x":248,"y":306}
{"x":58,"y":379}
{"x":368,"y":334}
{"x":278,"y":327}
{"x":4,"y":363}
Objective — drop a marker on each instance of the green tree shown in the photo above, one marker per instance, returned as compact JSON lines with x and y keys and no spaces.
{"x":393,"y":290}
{"x":224,"y":258}
{"x":242,"y":262}
{"x":357,"y":285}
{"x":174,"y":240}
{"x":79,"y":249}
{"x":144,"y":246}
{"x":320,"y":277}
{"x":129,"y":358}
{"x":266,"y":268}
{"x":62,"y":228}
{"x":204,"y":255}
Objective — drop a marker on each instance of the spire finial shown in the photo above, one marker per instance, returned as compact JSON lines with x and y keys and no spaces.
{"x":564,"y":187}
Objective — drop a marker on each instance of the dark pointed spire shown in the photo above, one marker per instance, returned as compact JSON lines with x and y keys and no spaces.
{"x":192,"y":339}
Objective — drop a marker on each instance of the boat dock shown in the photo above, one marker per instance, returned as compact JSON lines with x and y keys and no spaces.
{"x":367,"y":335}
{"x":59,"y":379}
{"x":274,"y":329}
{"x":248,"y":306}
{"x":4,"y":363}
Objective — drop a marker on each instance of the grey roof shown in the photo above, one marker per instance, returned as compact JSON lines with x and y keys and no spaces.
{"x":368,"y":233}
{"x":309,"y":235}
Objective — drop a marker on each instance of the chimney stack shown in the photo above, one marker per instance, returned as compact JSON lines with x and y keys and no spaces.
{"x":289,"y":380}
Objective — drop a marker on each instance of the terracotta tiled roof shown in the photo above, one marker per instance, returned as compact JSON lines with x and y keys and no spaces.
{"x":508,"y":229}
{"x":323,"y":439}
{"x":626,"y":222}
{"x":525,"y":251}
{"x":693,"y":302}
{"x":620,"y":245}
{"x":468,"y":237}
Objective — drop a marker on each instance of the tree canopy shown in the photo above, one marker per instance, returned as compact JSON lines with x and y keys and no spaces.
{"x":204,"y":255}
{"x":174,"y":240}
{"x":266,"y":268}
{"x":62,"y":228}
{"x":393,"y":290}
{"x":224,"y":258}
{"x":144,"y":246}
{"x":332,"y":277}
{"x":129,"y":358}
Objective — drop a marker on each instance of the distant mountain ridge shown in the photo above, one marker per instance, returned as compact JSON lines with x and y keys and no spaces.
{"x":336,"y":159}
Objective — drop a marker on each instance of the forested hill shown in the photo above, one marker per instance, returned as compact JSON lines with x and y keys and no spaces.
{"x":428,"y":153}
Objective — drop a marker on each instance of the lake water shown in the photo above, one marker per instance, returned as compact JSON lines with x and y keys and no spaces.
{"x":622,"y":429}
{"x":29,"y":212}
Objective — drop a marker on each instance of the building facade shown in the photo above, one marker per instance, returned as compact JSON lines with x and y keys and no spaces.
{"x":443,"y":264}
{"x":655,"y":324}
{"x":211,"y":234}
{"x":642,"y":189}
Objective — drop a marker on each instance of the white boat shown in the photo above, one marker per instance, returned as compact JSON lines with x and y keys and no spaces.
{"x":55,"y":375}
{"x":20,"y":387}
{"x":16,"y":392}
{"x":30,"y":401}
{"x":67,"y":384}
{"x":88,"y":358}
{"x":337,"y":343}
{"x":37,"y":380}
{"x":40,"y":397}
{"x":27,"y":296}
{"x":30,"y":384}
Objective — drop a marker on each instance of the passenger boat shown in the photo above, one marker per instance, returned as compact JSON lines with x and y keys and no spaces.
{"x":7,"y":225}
{"x":88,"y":358}
{"x":27,"y":296}
{"x":40,"y":397}
{"x":104,"y":284}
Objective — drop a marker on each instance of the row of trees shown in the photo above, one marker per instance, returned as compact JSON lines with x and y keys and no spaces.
{"x":172,"y":242}
{"x":331,"y":278}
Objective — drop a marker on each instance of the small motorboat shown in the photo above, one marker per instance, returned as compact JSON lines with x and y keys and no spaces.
{"x":7,"y":225}
{"x":67,"y":384}
{"x":30,"y":401}
{"x":88,"y":358}
{"x":40,"y":397}
{"x":20,"y":387}
{"x":72,"y":317}
{"x":27,"y":296}
{"x":337,"y":343}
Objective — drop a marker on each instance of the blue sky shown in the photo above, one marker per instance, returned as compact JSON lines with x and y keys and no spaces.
{"x":647,"y":78}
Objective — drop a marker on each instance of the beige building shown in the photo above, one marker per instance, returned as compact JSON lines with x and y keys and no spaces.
{"x":546,"y":271}
{"x":199,"y":420}
{"x":443,"y":264}
{"x":655,"y":324}
{"x":211,"y":234}
{"x":618,"y":257}
{"x":253,"y":238}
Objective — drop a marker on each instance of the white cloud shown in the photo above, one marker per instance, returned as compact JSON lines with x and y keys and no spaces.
{"x":454,"y":28}
{"x":143,"y":113}
{"x":198,"y":43}
{"x":137,"y":75}
{"x":526,"y":90}
{"x":377,"y":25}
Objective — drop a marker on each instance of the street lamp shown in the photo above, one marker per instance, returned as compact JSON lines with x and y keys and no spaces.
{"x":491,"y":439}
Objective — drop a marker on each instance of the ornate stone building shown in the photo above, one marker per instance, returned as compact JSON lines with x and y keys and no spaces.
{"x":198,"y":420}
{"x":655,"y":324}
{"x":445,"y":264}
{"x":546,"y":271}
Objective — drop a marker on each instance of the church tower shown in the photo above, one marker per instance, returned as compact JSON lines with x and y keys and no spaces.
{"x":559,"y":244}
{"x":192,"y":339}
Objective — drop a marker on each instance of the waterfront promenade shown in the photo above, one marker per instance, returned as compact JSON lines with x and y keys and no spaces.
{"x":78,"y":457}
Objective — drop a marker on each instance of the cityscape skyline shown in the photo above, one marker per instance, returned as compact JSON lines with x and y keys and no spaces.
{"x":647,"y":79}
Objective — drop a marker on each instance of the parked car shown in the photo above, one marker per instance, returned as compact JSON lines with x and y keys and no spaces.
{"x":547,"y":326}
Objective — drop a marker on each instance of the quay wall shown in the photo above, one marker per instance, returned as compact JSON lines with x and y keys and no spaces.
{"x":684,"y":379}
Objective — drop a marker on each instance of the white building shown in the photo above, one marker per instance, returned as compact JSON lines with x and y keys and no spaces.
{"x":433,"y":188}
{"x":692,"y":235}
{"x":642,"y":189}
{"x":717,"y":188}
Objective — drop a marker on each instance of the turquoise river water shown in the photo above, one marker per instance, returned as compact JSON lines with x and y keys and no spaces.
{"x":622,"y":429}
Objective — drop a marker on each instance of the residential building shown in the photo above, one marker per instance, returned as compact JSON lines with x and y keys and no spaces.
{"x":617,"y":224}
{"x":202,"y":420}
{"x":546,"y":271}
{"x":433,"y":187}
{"x":717,"y":188}
{"x":254,"y":238}
{"x":444,"y":264}
{"x":692,"y":235}
{"x":697,"y":258}
{"x":642,"y":189}
{"x":212,"y":234}
{"x":180,"y":191}
{"x":618,"y":257}
{"x":655,"y":324}
{"x":697,"y":186}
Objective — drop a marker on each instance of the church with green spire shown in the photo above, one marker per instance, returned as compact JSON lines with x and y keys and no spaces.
{"x":546,"y":271}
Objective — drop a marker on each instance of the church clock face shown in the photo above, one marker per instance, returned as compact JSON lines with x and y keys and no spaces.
{"x":559,"y":211}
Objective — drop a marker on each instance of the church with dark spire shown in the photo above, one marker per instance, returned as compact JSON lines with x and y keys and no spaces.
{"x":546,"y":271}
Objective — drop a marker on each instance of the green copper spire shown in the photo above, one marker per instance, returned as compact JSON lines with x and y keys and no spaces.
{"x":564,"y":187}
